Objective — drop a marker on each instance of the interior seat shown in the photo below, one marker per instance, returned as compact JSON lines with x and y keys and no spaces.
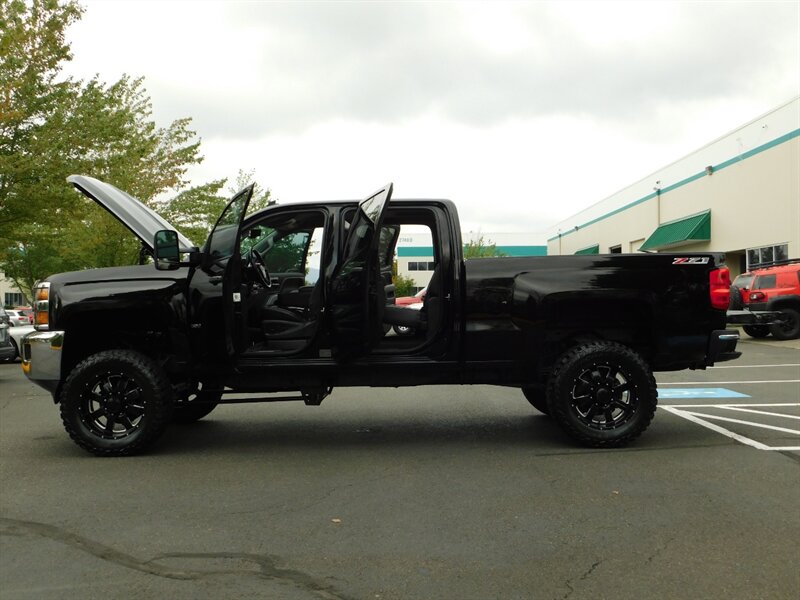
{"x":425,"y":319}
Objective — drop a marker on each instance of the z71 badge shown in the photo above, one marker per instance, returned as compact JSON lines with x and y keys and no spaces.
{"x":691,"y":260}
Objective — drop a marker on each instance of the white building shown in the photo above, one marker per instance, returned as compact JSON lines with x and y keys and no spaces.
{"x":740,"y":195}
{"x":10,"y":294}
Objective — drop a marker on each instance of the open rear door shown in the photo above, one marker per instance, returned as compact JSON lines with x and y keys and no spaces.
{"x":356,"y":294}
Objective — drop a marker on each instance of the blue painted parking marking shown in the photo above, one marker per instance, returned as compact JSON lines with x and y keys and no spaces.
{"x":686,"y":393}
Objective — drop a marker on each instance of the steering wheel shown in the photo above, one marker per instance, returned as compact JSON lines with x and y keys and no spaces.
{"x":257,"y":263}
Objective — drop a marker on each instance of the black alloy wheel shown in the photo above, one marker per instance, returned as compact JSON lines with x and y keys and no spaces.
{"x":603,"y":394}
{"x":116,"y":402}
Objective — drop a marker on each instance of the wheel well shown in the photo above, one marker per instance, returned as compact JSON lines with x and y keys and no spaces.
{"x":89,"y":333}
{"x":640,"y":342}
{"x":785,"y":302}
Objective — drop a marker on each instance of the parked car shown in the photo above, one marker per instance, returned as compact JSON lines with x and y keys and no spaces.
{"x":16,"y":335}
{"x":409,"y":329}
{"x":409,"y":300}
{"x":7,"y":350}
{"x":19,"y":317}
{"x":775,"y":288}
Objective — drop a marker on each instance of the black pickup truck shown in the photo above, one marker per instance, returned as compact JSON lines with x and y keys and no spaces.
{"x":296,"y":299}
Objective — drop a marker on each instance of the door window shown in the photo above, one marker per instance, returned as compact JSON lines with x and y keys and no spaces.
{"x":288,"y":245}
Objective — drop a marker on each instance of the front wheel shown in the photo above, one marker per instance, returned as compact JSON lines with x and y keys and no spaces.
{"x":602,"y":394}
{"x":116,"y":403}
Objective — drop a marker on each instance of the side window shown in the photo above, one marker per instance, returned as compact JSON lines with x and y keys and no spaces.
{"x":288,"y":244}
{"x":312,"y":265}
{"x":764,"y":282}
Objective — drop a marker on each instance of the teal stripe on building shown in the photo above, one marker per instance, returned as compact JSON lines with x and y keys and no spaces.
{"x":427,"y":251}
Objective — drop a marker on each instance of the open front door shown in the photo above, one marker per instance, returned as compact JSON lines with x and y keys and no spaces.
{"x":356,"y":297}
{"x":222,"y":264}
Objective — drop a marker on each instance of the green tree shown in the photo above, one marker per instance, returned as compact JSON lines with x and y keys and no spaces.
{"x":481,"y":249}
{"x":261,"y":197}
{"x":403,"y":286}
{"x":52,"y":126}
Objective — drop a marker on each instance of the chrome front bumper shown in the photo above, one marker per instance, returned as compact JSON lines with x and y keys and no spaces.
{"x":41,"y":358}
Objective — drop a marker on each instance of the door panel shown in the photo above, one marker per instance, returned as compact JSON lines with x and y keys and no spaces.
{"x":222,"y":258}
{"x":356,"y":296}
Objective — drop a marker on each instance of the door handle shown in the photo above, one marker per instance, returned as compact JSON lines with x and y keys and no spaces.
{"x":215,"y":279}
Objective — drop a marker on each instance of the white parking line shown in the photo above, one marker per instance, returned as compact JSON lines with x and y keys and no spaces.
{"x":757,"y":412}
{"x":748,"y":423}
{"x":730,"y":382}
{"x":755,"y":366}
{"x":701,"y":419}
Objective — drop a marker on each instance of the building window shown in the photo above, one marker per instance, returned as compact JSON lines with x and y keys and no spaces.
{"x":766,"y":255}
{"x":421,"y":266}
{"x":615,"y":250}
{"x":14,"y":299}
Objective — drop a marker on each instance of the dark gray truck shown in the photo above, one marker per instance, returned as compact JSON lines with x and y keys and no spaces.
{"x":296,"y":299}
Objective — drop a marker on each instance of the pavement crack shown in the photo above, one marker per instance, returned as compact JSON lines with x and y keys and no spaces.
{"x":583,"y":577}
{"x":658,"y":551}
{"x":265,"y":565}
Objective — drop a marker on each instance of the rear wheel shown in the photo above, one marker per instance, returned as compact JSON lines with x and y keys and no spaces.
{"x":403,"y":330}
{"x":602,"y":394}
{"x":116,"y":403}
{"x":789,"y":329}
{"x":537,"y":397}
{"x":756,"y":331}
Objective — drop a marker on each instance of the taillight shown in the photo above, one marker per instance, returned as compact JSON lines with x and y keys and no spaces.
{"x":757,"y":296}
{"x":719,"y":288}
{"x":41,"y":305}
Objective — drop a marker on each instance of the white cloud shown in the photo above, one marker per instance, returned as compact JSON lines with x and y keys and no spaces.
{"x":521,"y":112}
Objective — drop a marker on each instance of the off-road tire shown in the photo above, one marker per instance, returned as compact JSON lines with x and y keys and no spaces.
{"x":790,"y":328}
{"x":537,"y":396}
{"x":116,"y":403}
{"x":602,"y":380}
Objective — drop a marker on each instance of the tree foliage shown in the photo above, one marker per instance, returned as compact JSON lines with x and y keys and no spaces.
{"x":403,"y":286}
{"x":480,"y":248}
{"x":52,"y":126}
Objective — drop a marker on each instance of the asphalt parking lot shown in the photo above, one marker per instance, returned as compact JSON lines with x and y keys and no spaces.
{"x":434,"y":492}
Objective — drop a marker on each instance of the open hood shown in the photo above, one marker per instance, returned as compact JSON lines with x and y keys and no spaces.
{"x":141,"y":220}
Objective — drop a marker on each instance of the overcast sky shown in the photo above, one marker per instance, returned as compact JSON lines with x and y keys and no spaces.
{"x":522,"y":113}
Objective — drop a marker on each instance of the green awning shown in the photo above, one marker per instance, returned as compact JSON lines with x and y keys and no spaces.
{"x":695,"y":228}
{"x":589,"y":250}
